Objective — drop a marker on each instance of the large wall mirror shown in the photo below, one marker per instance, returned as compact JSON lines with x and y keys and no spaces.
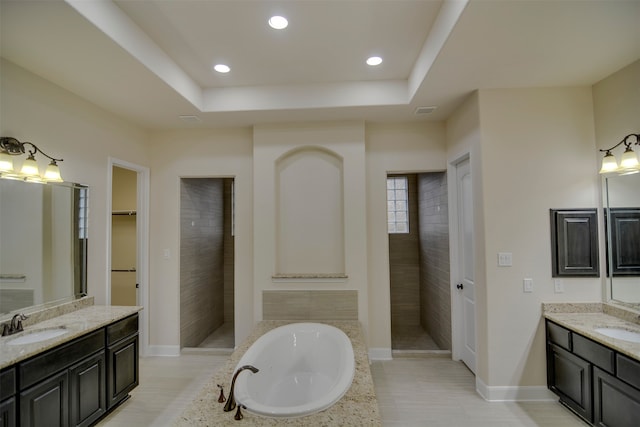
{"x":622,"y":216}
{"x":43,"y":244}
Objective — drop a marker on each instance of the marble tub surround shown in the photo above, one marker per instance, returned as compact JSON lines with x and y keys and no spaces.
{"x":587,"y":320}
{"x":77,"y":322}
{"x":358,"y":407}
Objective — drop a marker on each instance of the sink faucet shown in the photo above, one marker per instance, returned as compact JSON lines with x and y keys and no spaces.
{"x":231,"y":401}
{"x":14,"y":326}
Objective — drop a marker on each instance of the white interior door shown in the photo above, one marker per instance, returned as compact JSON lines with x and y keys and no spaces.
{"x":466,"y":286}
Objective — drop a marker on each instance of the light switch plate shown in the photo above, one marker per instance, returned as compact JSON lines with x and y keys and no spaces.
{"x":504,"y":259}
{"x":558,"y":286}
{"x":527,"y":285}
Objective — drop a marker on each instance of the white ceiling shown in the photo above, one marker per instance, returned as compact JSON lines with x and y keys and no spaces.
{"x":150,"y":61}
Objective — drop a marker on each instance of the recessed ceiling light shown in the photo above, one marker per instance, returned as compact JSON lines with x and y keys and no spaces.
{"x":374,"y":60}
{"x":278,"y":22}
{"x":221,"y":68}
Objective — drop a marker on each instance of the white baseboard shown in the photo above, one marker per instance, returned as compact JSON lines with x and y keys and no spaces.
{"x":513,"y":393}
{"x":163,"y":350}
{"x":380,"y":354}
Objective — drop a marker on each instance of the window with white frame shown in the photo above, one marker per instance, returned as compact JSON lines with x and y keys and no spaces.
{"x":397,"y":205}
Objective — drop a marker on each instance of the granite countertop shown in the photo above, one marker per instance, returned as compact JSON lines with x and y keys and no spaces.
{"x":358,"y":407}
{"x":78,"y":323}
{"x":585,"y":318}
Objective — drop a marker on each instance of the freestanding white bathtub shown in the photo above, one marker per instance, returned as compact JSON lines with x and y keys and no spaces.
{"x":303,"y":368}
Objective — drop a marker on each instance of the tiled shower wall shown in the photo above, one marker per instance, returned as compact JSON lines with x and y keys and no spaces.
{"x":201,"y":259}
{"x":229,"y":248}
{"x":435,"y":291}
{"x":404,"y":267}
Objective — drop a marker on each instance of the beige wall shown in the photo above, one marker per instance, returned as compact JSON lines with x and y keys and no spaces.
{"x":84,"y":136}
{"x":616,"y":103}
{"x":519,"y":141}
{"x":538,"y":153}
{"x":391,"y":148}
{"x":464,"y":141}
{"x":344,"y":143}
{"x":197,"y":153}
{"x":617,"y":114}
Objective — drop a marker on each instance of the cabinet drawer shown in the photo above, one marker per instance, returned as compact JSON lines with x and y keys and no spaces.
{"x":628,"y":370}
{"x":7,"y":383}
{"x":595,"y":353}
{"x":122,"y":329}
{"x":559,"y":335}
{"x":40,"y":367}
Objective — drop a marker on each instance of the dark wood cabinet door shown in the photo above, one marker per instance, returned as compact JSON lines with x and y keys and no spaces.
{"x":47,"y":403}
{"x":574,"y":243}
{"x":8,"y":413}
{"x":570,"y":378}
{"x":87,"y":390}
{"x":123,"y":369}
{"x":616,"y":404}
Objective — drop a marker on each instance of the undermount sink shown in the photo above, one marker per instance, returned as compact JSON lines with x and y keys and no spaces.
{"x":37,"y":336}
{"x":621,"y":334}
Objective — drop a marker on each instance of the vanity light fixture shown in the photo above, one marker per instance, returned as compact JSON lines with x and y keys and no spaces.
{"x":628,"y":162}
{"x":10,"y":146}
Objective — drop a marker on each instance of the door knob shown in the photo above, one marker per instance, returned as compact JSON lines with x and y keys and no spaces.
{"x":460,"y":286}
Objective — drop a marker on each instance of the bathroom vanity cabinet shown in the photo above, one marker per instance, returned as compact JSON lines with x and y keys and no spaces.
{"x":7,"y":397}
{"x":75,"y":383}
{"x":598,"y":383}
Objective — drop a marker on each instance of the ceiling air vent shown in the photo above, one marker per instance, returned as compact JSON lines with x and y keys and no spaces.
{"x":190,"y":119}
{"x":424,"y":110}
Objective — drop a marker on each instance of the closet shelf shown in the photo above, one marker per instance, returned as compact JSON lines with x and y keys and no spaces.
{"x":129,"y":213}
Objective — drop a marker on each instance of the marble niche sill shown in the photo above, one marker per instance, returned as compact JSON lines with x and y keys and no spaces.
{"x":310,"y":277}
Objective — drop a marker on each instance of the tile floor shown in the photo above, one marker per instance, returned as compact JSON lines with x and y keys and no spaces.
{"x":411,"y":337}
{"x":223,"y":337}
{"x":427,"y":391}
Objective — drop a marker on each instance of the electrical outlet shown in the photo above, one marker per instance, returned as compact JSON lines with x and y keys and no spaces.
{"x":558,"y":286}
{"x":527,"y":285}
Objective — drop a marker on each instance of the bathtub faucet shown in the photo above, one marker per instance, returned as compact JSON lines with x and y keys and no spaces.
{"x":231,"y":401}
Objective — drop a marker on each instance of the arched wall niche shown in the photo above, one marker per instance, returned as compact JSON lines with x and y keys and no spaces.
{"x":309,"y":212}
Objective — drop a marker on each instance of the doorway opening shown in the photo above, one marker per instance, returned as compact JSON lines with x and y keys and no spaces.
{"x":419,"y":262}
{"x":128,"y":250}
{"x":207,"y":263}
{"x":124,"y":258}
